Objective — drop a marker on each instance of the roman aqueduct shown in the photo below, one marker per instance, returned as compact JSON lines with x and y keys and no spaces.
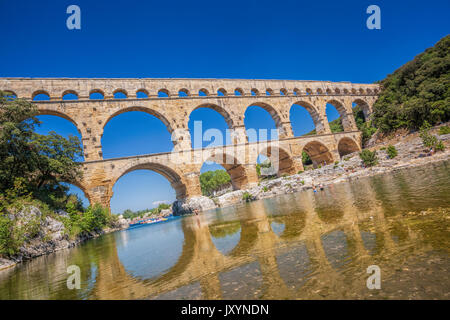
{"x":173,"y":100}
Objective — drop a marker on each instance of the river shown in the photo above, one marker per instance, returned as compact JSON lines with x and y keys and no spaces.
{"x":302,"y":245}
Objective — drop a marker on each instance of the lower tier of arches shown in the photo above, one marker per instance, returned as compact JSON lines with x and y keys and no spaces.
{"x":182,"y":169}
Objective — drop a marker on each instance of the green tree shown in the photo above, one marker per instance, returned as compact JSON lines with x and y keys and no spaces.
{"x":391,"y":151}
{"x":306,"y":159}
{"x":211,"y":181}
{"x":43,"y":162}
{"x":368,"y":157}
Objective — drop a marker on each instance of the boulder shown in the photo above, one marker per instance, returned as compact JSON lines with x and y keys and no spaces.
{"x":123,"y":223}
{"x":230,"y":198}
{"x":26,"y":215}
{"x":166,"y":212}
{"x":187,"y":206}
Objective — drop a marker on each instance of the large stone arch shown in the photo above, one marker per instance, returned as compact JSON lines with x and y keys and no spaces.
{"x":272,"y":111}
{"x":348,"y":122}
{"x":234,"y":168}
{"x":280,"y":159}
{"x":347,"y":145}
{"x":83,"y":188}
{"x":220,"y":109}
{"x":175,"y":178}
{"x":318,"y":152}
{"x":142,"y":109}
{"x":50,"y":112}
{"x":313,"y":112}
{"x":365,"y":107}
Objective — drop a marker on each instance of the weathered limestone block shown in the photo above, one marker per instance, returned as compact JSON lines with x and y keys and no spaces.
{"x":188,"y":206}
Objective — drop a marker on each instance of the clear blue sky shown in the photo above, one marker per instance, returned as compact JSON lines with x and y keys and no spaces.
{"x":306,"y":40}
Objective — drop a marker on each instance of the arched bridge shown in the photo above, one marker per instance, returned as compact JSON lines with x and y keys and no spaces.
{"x":93,"y":102}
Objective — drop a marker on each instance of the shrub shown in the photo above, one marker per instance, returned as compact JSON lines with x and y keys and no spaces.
{"x":391,"y":151}
{"x":440,"y":146}
{"x":428,"y":139}
{"x":300,"y":171}
{"x":10,"y":238}
{"x":247,"y":197}
{"x":336,"y":162}
{"x":265,"y":189}
{"x":211,"y":181}
{"x":444,"y":130}
{"x":302,"y":182}
{"x":368,"y":157}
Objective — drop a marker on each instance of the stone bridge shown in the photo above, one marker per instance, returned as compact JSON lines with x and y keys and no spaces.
{"x":90,"y":103}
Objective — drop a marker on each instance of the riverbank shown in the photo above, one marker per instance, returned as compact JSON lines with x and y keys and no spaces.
{"x":411,"y":153}
{"x":51,"y":236}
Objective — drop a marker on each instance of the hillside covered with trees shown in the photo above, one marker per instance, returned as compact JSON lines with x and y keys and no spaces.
{"x":418,"y":91}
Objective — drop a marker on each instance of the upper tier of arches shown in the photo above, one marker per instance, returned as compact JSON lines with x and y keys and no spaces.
{"x":82,"y":89}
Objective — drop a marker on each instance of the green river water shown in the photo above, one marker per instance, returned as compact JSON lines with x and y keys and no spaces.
{"x":298,"y":246}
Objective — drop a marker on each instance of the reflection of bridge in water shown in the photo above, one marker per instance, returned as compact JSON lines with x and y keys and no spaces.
{"x":202,"y":264}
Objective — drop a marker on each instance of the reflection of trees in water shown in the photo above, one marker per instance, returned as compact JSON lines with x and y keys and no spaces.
{"x":224,"y":228}
{"x":27,"y":284}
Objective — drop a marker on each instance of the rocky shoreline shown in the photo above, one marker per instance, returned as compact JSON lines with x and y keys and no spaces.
{"x":50,"y":238}
{"x":411,"y":153}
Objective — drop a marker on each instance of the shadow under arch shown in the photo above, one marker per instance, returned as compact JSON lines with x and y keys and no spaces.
{"x":318,"y":153}
{"x":232,"y":166}
{"x":170,"y":174}
{"x":346,"y":146}
{"x":280,"y":160}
